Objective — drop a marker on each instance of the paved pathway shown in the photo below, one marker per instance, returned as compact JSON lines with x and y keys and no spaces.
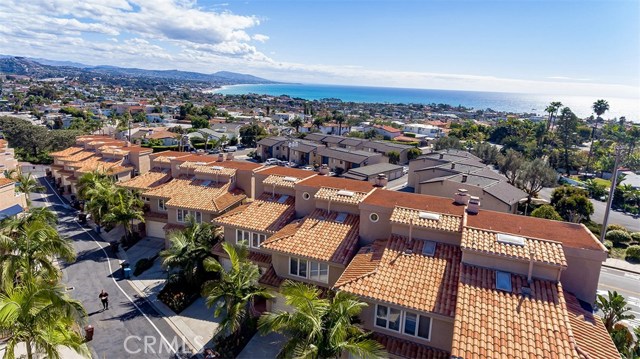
{"x":131,"y":328}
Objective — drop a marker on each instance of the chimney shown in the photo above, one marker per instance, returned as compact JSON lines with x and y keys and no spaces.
{"x":441,"y":155}
{"x":464,"y":178}
{"x":473,"y":207}
{"x":381,"y":180}
{"x":453,"y":166}
{"x":324,"y":169}
{"x":230,"y":156}
{"x":220,"y":157}
{"x":461,"y":197}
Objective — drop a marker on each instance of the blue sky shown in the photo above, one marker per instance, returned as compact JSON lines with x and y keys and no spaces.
{"x":554,"y":47}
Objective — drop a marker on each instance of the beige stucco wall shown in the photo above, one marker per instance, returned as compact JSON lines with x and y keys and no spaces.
{"x":583,"y":272}
{"x":447,"y":188}
{"x":453,"y":238}
{"x":441,"y":327}
{"x":337,"y":207}
{"x":280,"y":264}
{"x":370,"y":231}
{"x":8,"y":197}
{"x":510,"y":265}
{"x":305,"y":207}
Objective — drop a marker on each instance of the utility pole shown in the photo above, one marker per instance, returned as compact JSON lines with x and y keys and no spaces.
{"x":612,"y":191}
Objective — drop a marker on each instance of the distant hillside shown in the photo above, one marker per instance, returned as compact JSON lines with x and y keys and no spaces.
{"x":41,"y":68}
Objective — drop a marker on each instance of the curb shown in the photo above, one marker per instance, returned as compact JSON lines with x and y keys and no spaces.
{"x":634,"y":271}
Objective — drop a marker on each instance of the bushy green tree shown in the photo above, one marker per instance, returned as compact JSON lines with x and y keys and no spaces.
{"x":448,"y":142}
{"x":546,"y":211}
{"x":618,"y":236}
{"x":535,"y":175}
{"x":413,"y":153}
{"x":251,"y":134}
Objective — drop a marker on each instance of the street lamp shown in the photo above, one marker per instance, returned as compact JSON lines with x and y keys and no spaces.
{"x":612,"y":190}
{"x":290,"y":144}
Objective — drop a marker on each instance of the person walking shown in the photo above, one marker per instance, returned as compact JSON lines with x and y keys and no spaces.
{"x":104,"y":298}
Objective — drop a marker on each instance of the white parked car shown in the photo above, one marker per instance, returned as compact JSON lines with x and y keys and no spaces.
{"x":272,"y":161}
{"x":230,"y":149}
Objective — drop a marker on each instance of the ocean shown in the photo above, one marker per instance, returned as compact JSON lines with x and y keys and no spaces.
{"x":513,"y":102}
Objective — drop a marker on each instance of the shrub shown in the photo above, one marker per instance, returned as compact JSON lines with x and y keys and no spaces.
{"x":616,"y":227}
{"x":618,"y":237}
{"x":633,"y":254}
{"x":230,"y":346}
{"x":636,"y":237}
{"x":142,"y":265}
{"x":546,"y":211}
{"x":176,"y":295}
{"x":595,"y":228}
{"x":608,"y":244}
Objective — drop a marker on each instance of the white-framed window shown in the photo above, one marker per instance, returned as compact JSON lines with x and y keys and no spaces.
{"x":181,"y":214}
{"x":257,"y":239}
{"x":417,"y":325}
{"x":319,"y":272}
{"x":298,"y":267}
{"x":197,"y":216}
{"x":503,"y":281}
{"x":306,"y":196}
{"x":161,"y":205}
{"x":388,"y":318}
{"x":404,"y":322}
{"x":242,"y":236}
{"x":373,"y":217}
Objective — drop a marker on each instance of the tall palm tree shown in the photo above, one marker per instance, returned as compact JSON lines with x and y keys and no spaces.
{"x":27,"y":185}
{"x":28,"y":249}
{"x":340,"y":120}
{"x":599,"y":107}
{"x":320,"y":327}
{"x":100,"y":200}
{"x":236,"y":289}
{"x":41,"y":316}
{"x":189,"y":248}
{"x":90,"y":180}
{"x":552,"y":110}
{"x":614,"y":309}
{"x":296,"y":123}
{"x":124,"y":210}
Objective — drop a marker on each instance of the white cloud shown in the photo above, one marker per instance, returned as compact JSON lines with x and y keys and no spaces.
{"x":260,"y":37}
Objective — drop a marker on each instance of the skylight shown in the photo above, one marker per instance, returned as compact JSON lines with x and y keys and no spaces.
{"x":290,"y":179}
{"x":429,"y":215}
{"x":509,"y":239}
{"x":206,"y":183}
{"x":283,"y":199}
{"x":341,"y":217}
{"x":429,"y":248}
{"x":503,"y":281}
{"x":217,"y":168}
{"x":344,"y":192}
{"x":200,"y":163}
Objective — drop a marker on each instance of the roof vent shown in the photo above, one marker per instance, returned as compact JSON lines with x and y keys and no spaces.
{"x":344,"y":192}
{"x":453,"y":166}
{"x":464,"y":178}
{"x":509,"y":239}
{"x":200,"y":163}
{"x":205,"y":183}
{"x":341,"y":217}
{"x":441,"y":155}
{"x":217,"y":168}
{"x":429,"y":215}
{"x":290,"y":179}
{"x":503,"y":281}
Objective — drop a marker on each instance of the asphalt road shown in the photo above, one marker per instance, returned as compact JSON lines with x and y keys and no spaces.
{"x":131,"y":328}
{"x":625,"y":283}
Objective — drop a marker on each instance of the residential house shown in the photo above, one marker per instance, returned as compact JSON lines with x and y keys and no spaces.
{"x":387,"y":132}
{"x":272,"y":147}
{"x":429,"y":131}
{"x":11,"y":202}
{"x":339,"y":159}
{"x":8,"y":161}
{"x":372,"y":172}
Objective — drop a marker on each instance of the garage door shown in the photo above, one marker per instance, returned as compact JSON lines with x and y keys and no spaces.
{"x":154,"y":229}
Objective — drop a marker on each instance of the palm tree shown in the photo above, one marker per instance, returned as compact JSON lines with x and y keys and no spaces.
{"x":296,"y":123}
{"x":236,"y":289}
{"x":90,"y":180}
{"x":124,"y":210}
{"x":100,"y":200}
{"x":552,"y":110}
{"x":41,"y":316}
{"x":320,"y":327}
{"x":189,"y":248}
{"x":27,"y":249}
{"x":340,"y":120}
{"x":614,"y":309}
{"x":599,"y":107}
{"x":27,"y":185}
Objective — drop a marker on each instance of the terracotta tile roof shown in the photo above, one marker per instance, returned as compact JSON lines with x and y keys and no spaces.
{"x":162,"y":135}
{"x":335,"y":195}
{"x":256,"y":257}
{"x":5,"y":181}
{"x":146,"y":181}
{"x":66,"y":152}
{"x":240,"y":165}
{"x":156,"y":216}
{"x":281,"y":181}
{"x":339,"y":183}
{"x":491,"y":323}
{"x":270,"y":278}
{"x":408,"y":349}
{"x":543,"y":251}
{"x":165,"y":154}
{"x":569,"y":234}
{"x":189,"y":193}
{"x":265,"y":214}
{"x":286,"y":172}
{"x":390,"y":199}
{"x":78,"y":156}
{"x":98,"y":163}
{"x":318,"y":236}
{"x":173,"y":227}
{"x":113,"y":150}
{"x":402,"y":215}
{"x":212,"y":169}
{"x":415,"y":281}
{"x":589,"y":332}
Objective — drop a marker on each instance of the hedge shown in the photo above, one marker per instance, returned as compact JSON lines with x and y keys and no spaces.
{"x":164,"y":148}
{"x":617,"y":227}
{"x":633,"y":254}
{"x":618,"y":237}
{"x":636,"y":237}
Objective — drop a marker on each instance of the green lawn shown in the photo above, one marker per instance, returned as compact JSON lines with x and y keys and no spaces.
{"x":600,"y":181}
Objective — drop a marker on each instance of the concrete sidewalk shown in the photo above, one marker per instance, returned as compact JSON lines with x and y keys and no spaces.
{"x":196,"y":324}
{"x":622,"y":265}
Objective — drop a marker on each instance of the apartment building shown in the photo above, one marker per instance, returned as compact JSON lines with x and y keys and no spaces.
{"x":8,"y":161}
{"x":442,"y":277}
{"x":117,"y":158}
{"x":444,"y":172}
